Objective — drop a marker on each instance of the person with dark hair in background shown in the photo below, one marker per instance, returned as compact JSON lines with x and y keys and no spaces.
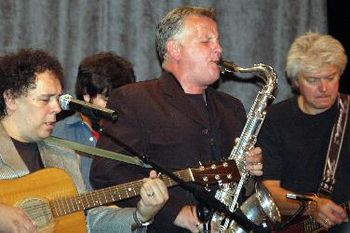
{"x":98,"y":75}
{"x":296,"y":136}
{"x":30,"y":87}
{"x":177,"y":120}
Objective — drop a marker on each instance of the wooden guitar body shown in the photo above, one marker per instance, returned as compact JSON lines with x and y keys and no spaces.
{"x":33,"y":194}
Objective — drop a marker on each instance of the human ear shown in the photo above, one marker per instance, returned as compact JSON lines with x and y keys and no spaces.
{"x":173,"y":49}
{"x":9,"y":100}
{"x":296,"y":82}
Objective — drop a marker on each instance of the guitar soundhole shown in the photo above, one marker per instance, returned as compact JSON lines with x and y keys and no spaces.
{"x":39,"y":211}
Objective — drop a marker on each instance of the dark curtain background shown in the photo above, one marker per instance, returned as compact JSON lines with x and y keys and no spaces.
{"x":253,"y":31}
{"x":339,"y":21}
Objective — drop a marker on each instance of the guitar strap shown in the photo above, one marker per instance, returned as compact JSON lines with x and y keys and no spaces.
{"x":334,"y":147}
{"x":96,"y":151}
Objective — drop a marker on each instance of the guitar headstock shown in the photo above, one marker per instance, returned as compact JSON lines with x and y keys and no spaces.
{"x":224,"y":172}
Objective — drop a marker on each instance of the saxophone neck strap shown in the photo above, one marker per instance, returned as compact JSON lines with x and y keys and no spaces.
{"x":95,"y":151}
{"x":334,"y":147}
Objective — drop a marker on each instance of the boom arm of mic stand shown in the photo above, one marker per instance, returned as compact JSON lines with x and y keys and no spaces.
{"x":200,"y":195}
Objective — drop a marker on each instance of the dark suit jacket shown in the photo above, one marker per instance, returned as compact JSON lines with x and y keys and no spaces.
{"x":156,"y":118}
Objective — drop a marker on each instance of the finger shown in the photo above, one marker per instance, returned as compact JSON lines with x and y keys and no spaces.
{"x":255,"y":153}
{"x":149,"y":196}
{"x":149,"y":185}
{"x":334,"y":214}
{"x":254,"y":167}
{"x":254,"y":159}
{"x":337,"y":211}
{"x":160,"y":188}
{"x":153,"y":174}
{"x":256,"y":173}
{"x":328,"y":209}
{"x":30,"y":227}
{"x":26,"y":222}
{"x":146,"y":193}
{"x":324,"y":223}
{"x":324,"y":220}
{"x":154,"y":195}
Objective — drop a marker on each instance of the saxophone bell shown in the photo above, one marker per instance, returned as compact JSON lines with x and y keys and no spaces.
{"x":259,"y":208}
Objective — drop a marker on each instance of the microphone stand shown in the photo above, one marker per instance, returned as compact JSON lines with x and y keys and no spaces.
{"x":304,"y":202}
{"x":202,"y":196}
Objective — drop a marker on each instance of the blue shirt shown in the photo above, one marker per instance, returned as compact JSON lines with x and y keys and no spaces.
{"x":74,"y":129}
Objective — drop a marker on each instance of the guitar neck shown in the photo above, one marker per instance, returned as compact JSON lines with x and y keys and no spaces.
{"x":310,"y":225}
{"x":108,"y":195}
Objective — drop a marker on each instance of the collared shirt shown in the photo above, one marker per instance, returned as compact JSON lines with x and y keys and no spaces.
{"x":73,"y":128}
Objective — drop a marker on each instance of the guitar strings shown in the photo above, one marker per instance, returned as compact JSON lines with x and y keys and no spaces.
{"x":84,"y":201}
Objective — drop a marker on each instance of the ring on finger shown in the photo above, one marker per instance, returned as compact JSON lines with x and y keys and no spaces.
{"x":150,"y":194}
{"x":326,"y":221}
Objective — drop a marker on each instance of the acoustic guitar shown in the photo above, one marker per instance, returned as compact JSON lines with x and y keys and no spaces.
{"x":51,"y":200}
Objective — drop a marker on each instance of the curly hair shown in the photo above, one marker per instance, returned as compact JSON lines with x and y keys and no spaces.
{"x":311,"y":51}
{"x":102,"y":72}
{"x":18,"y":72}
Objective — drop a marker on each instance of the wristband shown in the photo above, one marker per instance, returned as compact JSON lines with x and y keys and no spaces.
{"x":138,"y":222}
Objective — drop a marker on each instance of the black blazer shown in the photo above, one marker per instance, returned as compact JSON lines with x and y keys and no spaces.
{"x":157,"y":118}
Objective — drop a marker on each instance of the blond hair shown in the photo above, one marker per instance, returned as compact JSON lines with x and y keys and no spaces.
{"x":311,"y":51}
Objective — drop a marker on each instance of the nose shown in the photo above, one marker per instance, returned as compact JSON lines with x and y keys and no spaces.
{"x":56,"y":107}
{"x":323,"y":85}
{"x":218,"y":48}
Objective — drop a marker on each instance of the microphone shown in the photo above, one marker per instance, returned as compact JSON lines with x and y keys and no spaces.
{"x":67,"y":102}
{"x":298,"y":197}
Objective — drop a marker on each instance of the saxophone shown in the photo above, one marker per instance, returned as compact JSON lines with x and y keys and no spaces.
{"x":229,"y":193}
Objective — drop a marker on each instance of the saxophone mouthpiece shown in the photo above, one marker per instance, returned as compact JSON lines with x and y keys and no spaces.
{"x":227,"y":66}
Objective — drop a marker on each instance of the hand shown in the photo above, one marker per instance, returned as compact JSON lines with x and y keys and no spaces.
{"x":154,"y":194}
{"x":187,"y":218}
{"x":326,"y":212}
{"x":254,"y":161}
{"x":15,"y":220}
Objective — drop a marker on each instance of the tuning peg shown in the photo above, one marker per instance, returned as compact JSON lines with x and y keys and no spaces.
{"x":201,"y":167}
{"x":207,"y":188}
{"x":220,"y":183}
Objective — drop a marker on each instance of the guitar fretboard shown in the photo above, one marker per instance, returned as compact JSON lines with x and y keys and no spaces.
{"x":108,"y":195}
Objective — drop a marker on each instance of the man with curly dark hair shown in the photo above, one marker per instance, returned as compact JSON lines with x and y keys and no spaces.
{"x":18,"y":73}
{"x":30,"y":86}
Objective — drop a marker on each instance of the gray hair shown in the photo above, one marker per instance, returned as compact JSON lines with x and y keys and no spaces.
{"x":172,"y":25}
{"x":311,"y":51}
